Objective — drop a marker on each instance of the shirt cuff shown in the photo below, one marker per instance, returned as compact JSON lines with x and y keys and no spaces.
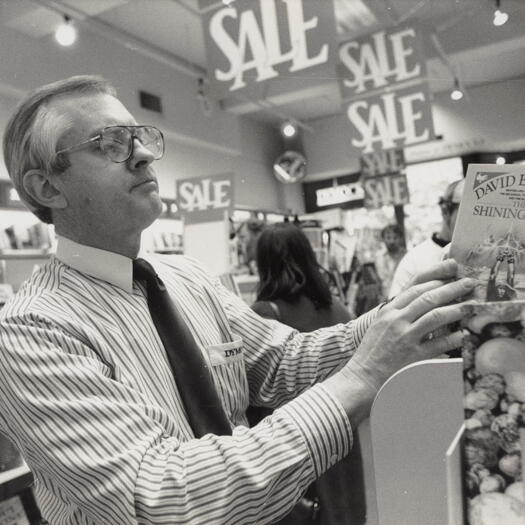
{"x":324,"y":425}
{"x":362,"y":323}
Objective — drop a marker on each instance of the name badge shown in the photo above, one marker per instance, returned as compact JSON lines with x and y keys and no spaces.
{"x":226,"y":353}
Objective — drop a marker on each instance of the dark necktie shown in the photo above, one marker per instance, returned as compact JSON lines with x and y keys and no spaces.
{"x":192,"y":375}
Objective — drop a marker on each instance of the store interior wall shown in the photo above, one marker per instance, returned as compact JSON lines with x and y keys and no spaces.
{"x":197,"y":143}
{"x":488,"y":118}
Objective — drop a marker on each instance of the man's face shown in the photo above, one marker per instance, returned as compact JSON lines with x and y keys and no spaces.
{"x":105,"y":200}
{"x":453,"y":217}
{"x":392,"y":240}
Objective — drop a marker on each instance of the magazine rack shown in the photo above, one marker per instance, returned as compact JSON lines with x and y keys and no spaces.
{"x":414,"y":419}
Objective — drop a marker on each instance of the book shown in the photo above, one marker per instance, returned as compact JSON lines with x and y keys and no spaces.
{"x":489,"y":236}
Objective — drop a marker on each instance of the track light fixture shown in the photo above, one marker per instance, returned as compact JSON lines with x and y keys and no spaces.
{"x":288,"y":129}
{"x":66,"y":34}
{"x":500,"y":17}
{"x":457,"y":92}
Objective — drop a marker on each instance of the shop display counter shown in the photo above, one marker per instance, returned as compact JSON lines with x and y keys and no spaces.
{"x":17,"y":503}
{"x":414,"y":420}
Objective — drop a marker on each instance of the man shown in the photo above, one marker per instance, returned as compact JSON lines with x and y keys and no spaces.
{"x":388,"y":259}
{"x":86,"y":391}
{"x":429,"y":252}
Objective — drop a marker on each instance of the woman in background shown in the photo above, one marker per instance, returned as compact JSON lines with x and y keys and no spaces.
{"x":293,"y":290}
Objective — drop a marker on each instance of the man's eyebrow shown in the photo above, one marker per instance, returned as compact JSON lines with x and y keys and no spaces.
{"x":96,"y":131}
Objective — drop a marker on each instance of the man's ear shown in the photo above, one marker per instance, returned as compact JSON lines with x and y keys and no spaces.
{"x":41,"y":187}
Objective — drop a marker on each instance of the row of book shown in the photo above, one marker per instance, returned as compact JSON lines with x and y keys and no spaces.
{"x":36,"y":236}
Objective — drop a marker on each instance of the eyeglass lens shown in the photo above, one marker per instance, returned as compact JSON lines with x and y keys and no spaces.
{"x":117,"y":141}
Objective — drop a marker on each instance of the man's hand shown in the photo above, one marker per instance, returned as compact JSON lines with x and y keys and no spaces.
{"x":402,"y":334}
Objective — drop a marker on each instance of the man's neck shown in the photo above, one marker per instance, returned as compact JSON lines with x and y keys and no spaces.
{"x":129,"y":247}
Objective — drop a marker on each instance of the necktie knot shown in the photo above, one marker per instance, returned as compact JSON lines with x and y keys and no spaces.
{"x":143,"y":271}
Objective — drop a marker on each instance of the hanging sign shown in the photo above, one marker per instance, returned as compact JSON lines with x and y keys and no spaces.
{"x":383,"y":79}
{"x":385,"y":189}
{"x":205,"y":199}
{"x":382,"y":162}
{"x":252,"y":42}
{"x":343,"y":192}
{"x":383,"y":178}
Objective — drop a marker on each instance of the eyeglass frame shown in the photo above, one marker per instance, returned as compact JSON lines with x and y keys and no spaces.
{"x":448,"y":204}
{"x":99,"y":137}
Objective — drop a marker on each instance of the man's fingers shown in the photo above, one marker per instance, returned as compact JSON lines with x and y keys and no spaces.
{"x":442,"y":271}
{"x":436,"y":319}
{"x":437,"y":296}
{"x":441,"y":344}
{"x":412,"y":293}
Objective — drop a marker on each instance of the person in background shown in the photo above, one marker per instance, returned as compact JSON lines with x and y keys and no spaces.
{"x":388,"y":259}
{"x":430,"y":251}
{"x":247,"y":236}
{"x":294,"y":290}
{"x":123,"y":419}
{"x":292,"y":283}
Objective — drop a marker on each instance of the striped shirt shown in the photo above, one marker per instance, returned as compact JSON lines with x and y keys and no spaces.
{"x":88,"y":397}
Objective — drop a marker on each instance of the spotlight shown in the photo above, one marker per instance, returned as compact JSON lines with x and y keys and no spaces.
{"x":288,"y":129}
{"x":500,"y":17}
{"x":500,"y":159}
{"x":66,"y":34}
{"x":456,"y":93}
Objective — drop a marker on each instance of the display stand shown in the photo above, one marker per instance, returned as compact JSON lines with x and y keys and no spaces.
{"x":17,"y":265}
{"x":414,"y":419}
{"x":17,"y":502}
{"x":207,"y":242}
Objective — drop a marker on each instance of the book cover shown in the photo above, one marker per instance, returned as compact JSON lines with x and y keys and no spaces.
{"x":489,"y":237}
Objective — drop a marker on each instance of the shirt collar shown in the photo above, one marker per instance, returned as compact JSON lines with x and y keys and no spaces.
{"x":108,"y":266}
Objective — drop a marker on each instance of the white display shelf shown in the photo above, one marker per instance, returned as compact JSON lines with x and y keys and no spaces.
{"x":29,"y":253}
{"x":13,"y":473}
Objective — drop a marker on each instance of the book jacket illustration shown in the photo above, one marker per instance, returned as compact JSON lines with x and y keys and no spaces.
{"x":489,"y":238}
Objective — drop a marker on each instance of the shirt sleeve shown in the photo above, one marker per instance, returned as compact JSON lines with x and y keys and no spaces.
{"x":102,"y":448}
{"x":282,"y":362}
{"x":402,"y":276}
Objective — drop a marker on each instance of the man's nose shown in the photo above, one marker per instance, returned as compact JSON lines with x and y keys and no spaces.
{"x":141,"y":156}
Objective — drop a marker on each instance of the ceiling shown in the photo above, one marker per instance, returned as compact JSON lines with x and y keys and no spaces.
{"x":460,"y":40}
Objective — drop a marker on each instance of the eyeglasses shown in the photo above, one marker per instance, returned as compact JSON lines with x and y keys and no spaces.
{"x":448,"y":204}
{"x":117,"y":142}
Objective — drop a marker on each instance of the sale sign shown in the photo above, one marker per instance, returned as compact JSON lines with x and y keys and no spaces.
{"x":251,"y":42}
{"x":382,"y":162}
{"x":383,"y":178}
{"x":383,"y":80}
{"x":385,"y":189}
{"x":205,"y":199}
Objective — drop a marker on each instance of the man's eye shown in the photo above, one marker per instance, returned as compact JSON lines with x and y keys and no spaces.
{"x":113,"y":145}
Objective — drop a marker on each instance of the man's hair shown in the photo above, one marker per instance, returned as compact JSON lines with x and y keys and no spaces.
{"x":394,"y":228}
{"x":33,"y":131}
{"x":452,"y":195}
{"x":288,"y":267}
